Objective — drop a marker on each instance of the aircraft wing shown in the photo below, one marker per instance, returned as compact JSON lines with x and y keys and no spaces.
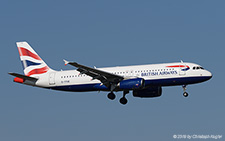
{"x":105,"y":77}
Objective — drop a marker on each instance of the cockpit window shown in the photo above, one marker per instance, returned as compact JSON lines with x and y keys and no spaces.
{"x":197,"y":68}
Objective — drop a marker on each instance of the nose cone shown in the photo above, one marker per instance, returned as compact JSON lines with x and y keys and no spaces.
{"x":208,"y":75}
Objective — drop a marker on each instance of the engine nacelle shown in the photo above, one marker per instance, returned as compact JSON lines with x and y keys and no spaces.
{"x":132,"y":84}
{"x":149,"y":92}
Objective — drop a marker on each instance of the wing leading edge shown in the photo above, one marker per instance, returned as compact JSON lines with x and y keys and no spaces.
{"x":105,"y":77}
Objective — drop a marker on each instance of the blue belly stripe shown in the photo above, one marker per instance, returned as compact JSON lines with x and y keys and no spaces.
{"x":156,"y":82}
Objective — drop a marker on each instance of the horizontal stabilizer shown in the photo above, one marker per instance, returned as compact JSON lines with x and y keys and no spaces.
{"x":23,"y":76}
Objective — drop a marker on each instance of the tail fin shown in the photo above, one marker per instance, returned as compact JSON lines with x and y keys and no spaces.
{"x":32,"y":63}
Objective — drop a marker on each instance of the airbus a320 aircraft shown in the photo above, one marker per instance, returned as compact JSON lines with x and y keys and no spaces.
{"x":145,"y":81}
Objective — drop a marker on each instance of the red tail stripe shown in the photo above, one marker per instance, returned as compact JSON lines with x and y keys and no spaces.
{"x":38,"y":71}
{"x":26,"y":52}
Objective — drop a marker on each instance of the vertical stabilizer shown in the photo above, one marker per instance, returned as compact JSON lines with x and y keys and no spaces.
{"x":31,"y":61}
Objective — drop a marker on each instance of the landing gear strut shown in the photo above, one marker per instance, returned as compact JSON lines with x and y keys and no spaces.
{"x":123,"y":100}
{"x":111,"y":95}
{"x":185,"y":94}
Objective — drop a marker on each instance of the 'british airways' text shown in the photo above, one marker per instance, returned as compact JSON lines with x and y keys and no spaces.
{"x":159,"y":73}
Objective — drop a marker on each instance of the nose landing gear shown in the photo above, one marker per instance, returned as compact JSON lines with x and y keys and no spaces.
{"x":185,"y":94}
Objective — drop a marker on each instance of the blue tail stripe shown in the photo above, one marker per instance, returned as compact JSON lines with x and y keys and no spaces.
{"x":27,"y":63}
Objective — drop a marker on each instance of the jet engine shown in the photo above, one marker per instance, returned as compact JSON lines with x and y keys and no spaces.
{"x":132,"y":84}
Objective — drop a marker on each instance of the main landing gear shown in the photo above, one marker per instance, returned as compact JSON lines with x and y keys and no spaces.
{"x":123,"y":100}
{"x":185,"y":94}
{"x":111,"y":96}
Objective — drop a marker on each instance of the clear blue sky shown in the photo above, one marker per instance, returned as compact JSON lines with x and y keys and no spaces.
{"x":110,"y":33}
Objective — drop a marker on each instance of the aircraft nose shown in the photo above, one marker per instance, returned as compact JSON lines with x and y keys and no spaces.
{"x":208,"y":75}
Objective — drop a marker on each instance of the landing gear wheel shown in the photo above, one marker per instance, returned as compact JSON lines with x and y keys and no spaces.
{"x":185,"y":94}
{"x":123,"y":100}
{"x":111,"y":96}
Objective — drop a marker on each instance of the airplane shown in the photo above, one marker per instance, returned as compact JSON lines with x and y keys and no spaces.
{"x":146,"y":81}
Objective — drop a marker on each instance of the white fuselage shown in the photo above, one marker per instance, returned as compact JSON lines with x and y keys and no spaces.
{"x":167,"y":74}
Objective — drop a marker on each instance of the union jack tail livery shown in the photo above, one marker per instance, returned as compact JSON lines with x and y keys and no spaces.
{"x":32,"y":63}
